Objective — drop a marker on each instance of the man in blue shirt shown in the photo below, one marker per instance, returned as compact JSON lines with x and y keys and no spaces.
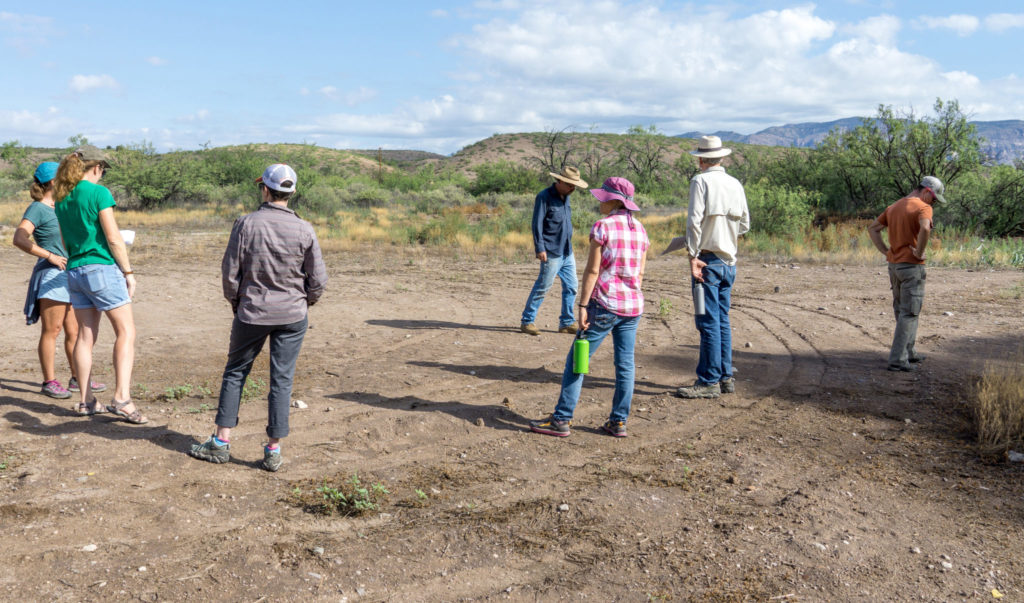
{"x":552,"y":242}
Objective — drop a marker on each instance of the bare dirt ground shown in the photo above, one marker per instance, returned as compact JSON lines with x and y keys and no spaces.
{"x":824,"y":478}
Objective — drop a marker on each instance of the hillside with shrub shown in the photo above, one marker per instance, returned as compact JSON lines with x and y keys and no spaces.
{"x":795,"y":194}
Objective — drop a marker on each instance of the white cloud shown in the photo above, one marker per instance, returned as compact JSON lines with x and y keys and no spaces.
{"x":156,"y":61}
{"x":963,"y":25}
{"x":611,"y":64}
{"x":881,"y":29}
{"x":330,"y":92}
{"x":439,"y":13}
{"x":29,"y":124}
{"x":354,"y":97}
{"x":1000,"y":22}
{"x":24,"y":23}
{"x":84,"y":83}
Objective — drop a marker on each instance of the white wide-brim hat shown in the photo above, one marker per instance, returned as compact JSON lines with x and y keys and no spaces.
{"x":711,"y":147}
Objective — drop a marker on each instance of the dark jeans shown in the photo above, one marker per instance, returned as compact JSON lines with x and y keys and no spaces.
{"x":907,"y":282}
{"x":715,"y":362}
{"x":246,"y":343}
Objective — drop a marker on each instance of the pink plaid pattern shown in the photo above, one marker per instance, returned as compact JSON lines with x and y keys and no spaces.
{"x":618,"y":283}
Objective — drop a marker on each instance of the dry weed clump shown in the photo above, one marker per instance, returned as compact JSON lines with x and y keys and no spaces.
{"x":999,"y":406}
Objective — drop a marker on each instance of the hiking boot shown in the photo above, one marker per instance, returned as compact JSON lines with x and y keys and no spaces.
{"x":916,"y":358}
{"x":271,"y":459}
{"x":551,"y":426}
{"x":210,"y":451}
{"x":699,"y":390}
{"x":900,"y":368}
{"x":96,"y":387}
{"x":529,"y":329}
{"x":727,"y":385}
{"x":615,"y":428}
{"x":54,"y":389}
{"x":570,"y":329}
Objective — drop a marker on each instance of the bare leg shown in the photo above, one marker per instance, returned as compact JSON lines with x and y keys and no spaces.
{"x":70,"y":336}
{"x":88,"y":329}
{"x":51,"y":314}
{"x":123,"y":322}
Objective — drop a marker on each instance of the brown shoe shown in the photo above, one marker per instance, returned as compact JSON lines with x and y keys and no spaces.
{"x":570,"y":329}
{"x":530,"y":329}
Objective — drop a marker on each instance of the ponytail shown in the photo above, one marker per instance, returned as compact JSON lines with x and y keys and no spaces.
{"x":70,"y":173}
{"x":38,"y":190}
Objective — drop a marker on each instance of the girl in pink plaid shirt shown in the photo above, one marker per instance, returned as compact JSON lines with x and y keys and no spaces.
{"x":610,"y":302}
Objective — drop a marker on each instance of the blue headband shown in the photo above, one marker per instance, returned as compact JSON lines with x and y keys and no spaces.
{"x":609,"y":189}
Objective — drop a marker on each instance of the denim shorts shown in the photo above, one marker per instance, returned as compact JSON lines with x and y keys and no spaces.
{"x":100,"y":286}
{"x":54,"y":285}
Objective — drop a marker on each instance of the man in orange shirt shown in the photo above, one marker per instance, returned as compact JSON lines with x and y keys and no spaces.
{"x":909,"y":221}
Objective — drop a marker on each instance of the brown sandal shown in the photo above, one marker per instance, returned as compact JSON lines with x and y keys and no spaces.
{"x":135,"y":417}
{"x":83,"y":409}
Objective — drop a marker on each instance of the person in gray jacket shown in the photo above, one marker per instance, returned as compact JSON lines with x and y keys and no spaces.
{"x":272,"y":272}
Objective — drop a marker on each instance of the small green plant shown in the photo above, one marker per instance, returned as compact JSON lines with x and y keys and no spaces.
{"x":664,"y":307}
{"x":3,"y":464}
{"x":200,"y":409}
{"x":252,"y":389}
{"x":420,"y":494}
{"x":179,"y":392}
{"x":350,"y":497}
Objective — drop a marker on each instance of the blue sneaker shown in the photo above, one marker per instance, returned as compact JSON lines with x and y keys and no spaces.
{"x":210,"y":451}
{"x":272,"y":458}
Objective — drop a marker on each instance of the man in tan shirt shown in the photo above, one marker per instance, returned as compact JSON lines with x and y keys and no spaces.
{"x":909,"y":221}
{"x":717,"y":215}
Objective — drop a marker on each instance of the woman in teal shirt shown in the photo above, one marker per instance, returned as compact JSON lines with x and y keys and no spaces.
{"x":100,"y":278}
{"x":48,"y":297}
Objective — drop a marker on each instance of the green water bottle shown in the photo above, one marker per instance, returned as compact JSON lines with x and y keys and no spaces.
{"x":580,"y":354}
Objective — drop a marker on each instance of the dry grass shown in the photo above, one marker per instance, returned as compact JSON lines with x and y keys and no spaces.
{"x":999,"y":405}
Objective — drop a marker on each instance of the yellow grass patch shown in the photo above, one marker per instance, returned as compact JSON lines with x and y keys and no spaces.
{"x":999,"y":405}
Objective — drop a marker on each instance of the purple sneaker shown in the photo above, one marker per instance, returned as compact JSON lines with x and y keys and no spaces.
{"x":96,"y":387}
{"x":55,"y":390}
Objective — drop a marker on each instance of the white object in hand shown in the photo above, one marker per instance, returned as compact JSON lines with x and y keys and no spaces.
{"x":128,"y":236}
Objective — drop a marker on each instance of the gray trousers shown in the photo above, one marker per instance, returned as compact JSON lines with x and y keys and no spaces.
{"x":246,"y":342}
{"x":907,"y":282}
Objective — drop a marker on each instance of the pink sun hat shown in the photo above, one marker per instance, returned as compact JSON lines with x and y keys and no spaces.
{"x":616,"y":188}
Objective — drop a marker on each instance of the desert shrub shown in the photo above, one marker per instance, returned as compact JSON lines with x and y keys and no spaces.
{"x":988,"y":203}
{"x":999,"y":406}
{"x":443,"y":230}
{"x":779,"y":210}
{"x":435,"y":200}
{"x":505,"y":177}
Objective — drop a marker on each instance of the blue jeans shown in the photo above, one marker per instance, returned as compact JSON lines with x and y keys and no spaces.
{"x":715,"y":362}
{"x":565,"y":268}
{"x":623,"y":330}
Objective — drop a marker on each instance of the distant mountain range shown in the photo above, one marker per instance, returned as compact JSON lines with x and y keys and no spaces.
{"x":1003,"y":140}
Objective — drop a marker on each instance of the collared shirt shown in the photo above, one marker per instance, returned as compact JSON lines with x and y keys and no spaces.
{"x":623,"y":243}
{"x":903,"y":219}
{"x":552,"y":223}
{"x":272,"y":269}
{"x":717,"y":214}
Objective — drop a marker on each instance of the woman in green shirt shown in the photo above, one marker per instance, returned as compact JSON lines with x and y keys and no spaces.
{"x":100,"y":278}
{"x":48,"y":298}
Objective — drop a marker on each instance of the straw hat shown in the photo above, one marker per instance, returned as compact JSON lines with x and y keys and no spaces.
{"x":569,"y":175}
{"x":711,"y":147}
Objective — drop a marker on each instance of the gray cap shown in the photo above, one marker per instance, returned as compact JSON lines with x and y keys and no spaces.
{"x":90,"y":153}
{"x":935,"y":186}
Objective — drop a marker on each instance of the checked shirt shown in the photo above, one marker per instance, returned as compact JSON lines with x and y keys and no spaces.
{"x":623,"y":243}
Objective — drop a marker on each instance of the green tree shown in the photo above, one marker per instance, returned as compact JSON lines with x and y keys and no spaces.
{"x":885,"y":157}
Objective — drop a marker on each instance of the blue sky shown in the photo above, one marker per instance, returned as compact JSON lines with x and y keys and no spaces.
{"x":440,"y":75}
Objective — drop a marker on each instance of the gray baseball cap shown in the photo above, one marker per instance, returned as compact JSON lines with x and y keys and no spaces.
{"x":935,"y":186}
